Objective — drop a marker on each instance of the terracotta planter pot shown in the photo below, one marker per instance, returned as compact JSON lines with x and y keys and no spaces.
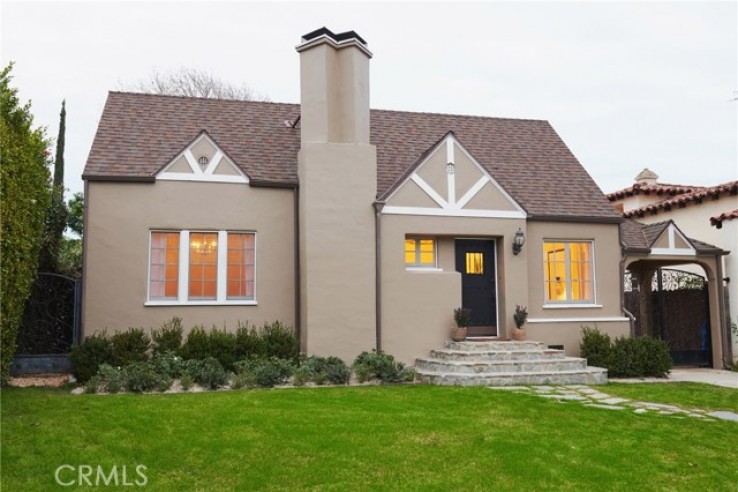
{"x":458,"y":334}
{"x":518,"y":334}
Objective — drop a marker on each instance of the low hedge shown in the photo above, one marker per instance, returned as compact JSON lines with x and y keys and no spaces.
{"x":626,"y":357}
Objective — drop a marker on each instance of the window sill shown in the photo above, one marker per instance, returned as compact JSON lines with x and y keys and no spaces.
{"x":201,"y":303}
{"x":423,"y":269}
{"x":571,"y":306}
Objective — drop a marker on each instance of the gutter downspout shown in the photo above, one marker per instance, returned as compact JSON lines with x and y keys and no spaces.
{"x":78,"y":337}
{"x":630,"y":315}
{"x":378,"y":273}
{"x":724,"y":325}
{"x":298,"y":278}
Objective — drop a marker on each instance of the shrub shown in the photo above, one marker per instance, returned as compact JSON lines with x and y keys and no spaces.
{"x":168,"y":364}
{"x":279,"y":341}
{"x":244,"y":379}
{"x":639,"y":357}
{"x":141,"y":376}
{"x":168,"y":338}
{"x":272,"y":371}
{"x":336,"y":371}
{"x":113,"y":379}
{"x":656,"y":357}
{"x":302,"y":376}
{"x":369,"y":365}
{"x":248,"y":342}
{"x":222,"y":346}
{"x":208,"y":372}
{"x":595,"y":347}
{"x":130,"y":346}
{"x":88,"y":355}
{"x":92,"y":384}
{"x":186,"y":381}
{"x":197,"y":344}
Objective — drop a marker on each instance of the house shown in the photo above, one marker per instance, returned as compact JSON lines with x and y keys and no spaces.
{"x":703,"y":212}
{"x":362,"y":228}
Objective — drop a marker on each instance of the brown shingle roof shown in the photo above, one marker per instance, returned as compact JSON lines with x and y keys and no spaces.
{"x":140,"y":133}
{"x":638,"y":237}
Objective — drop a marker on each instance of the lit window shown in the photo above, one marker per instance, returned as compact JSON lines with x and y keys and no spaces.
{"x":203,"y":265}
{"x":475,"y":263}
{"x":568,"y":271}
{"x":240,"y":266}
{"x":164,"y":266}
{"x":215,"y":267}
{"x":420,"y":253}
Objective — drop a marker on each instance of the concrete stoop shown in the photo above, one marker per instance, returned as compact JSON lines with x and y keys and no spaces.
{"x":504,"y":363}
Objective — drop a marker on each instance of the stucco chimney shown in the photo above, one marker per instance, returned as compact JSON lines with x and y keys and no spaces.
{"x":646,"y":177}
{"x":334,"y":87}
{"x":337,"y":169}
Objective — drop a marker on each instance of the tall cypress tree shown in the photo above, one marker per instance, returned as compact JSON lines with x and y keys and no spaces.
{"x":56,"y":215}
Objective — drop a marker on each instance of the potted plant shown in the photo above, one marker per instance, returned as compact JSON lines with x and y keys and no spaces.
{"x":462,"y":317}
{"x":520,"y":317}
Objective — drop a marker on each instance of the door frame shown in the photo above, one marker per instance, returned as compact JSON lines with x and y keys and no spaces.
{"x":493,"y":240}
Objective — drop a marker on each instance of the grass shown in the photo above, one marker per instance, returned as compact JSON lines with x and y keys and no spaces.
{"x":686,"y":395}
{"x":368,"y":438}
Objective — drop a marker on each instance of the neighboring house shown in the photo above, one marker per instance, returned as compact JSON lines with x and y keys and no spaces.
{"x":363,"y":229}
{"x":698,"y":212}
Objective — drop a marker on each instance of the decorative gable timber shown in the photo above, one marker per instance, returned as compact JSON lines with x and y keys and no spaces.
{"x":671,"y":241}
{"x":202,"y":160}
{"x":448,"y":181}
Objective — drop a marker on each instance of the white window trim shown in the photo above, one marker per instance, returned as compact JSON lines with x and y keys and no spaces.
{"x":419,"y":267}
{"x":184,"y":272}
{"x":568,"y":302}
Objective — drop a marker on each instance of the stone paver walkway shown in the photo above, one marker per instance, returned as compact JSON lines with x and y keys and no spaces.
{"x":591,"y":397}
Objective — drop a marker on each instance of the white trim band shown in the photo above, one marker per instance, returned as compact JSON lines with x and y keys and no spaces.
{"x":604,"y":319}
{"x":441,"y":212}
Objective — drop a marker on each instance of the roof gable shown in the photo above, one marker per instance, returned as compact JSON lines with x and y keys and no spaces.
{"x":202,"y":160}
{"x":452,"y":183}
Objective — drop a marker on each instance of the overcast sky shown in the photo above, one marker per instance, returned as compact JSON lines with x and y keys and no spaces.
{"x":626,"y":85}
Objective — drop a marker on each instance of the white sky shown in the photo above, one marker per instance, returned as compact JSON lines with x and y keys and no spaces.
{"x":626,"y":85}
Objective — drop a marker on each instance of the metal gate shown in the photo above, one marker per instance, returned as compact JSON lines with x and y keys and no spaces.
{"x":50,"y":325}
{"x":678,"y":311}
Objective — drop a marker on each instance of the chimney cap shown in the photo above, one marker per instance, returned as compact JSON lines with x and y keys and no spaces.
{"x":337,"y":37}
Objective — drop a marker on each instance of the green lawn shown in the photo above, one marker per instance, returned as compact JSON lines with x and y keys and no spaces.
{"x":369,"y":438}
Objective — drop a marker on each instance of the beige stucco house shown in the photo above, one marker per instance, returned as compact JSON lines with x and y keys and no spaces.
{"x":699,"y":215}
{"x":362,"y":228}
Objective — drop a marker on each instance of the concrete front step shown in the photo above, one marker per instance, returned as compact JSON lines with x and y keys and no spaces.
{"x":589,"y":375}
{"x":506,"y":345}
{"x":492,"y":355}
{"x":499,"y":366}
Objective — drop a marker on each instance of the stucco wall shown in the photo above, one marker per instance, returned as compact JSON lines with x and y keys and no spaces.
{"x":557,"y":325}
{"x":119,"y":218}
{"x":417,"y":306}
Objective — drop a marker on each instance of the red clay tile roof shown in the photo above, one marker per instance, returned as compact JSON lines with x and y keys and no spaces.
{"x":139,"y":133}
{"x":638,"y":237}
{"x":681,"y":201}
{"x":653,"y":189}
{"x":718,"y":220}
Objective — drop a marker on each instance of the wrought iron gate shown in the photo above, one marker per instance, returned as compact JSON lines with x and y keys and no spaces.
{"x":677,"y":312}
{"x":50,"y":325}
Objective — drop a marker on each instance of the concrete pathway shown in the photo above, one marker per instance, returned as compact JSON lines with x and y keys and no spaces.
{"x":717,"y":377}
{"x":591,"y":397}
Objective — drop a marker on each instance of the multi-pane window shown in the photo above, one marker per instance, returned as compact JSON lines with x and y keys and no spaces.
{"x":164,"y":266}
{"x":568,"y":271}
{"x":240,"y":266}
{"x":202,"y":266}
{"x":420,"y":253}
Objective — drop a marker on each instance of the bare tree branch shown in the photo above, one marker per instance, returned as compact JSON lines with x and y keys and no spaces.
{"x":192,"y":82}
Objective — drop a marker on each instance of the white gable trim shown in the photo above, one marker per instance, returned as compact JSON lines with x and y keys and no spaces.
{"x":673,"y":232}
{"x":199,"y":174}
{"x":449,"y":205}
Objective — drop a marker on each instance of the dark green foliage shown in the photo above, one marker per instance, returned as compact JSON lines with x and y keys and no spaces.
{"x":186,"y":381}
{"x":92,"y":384}
{"x":279,"y":341}
{"x":248,"y":342}
{"x":25,"y":196}
{"x":208,"y":372}
{"x":336,"y":371}
{"x":69,"y":262}
{"x":88,"y":355}
{"x":168,"y":364}
{"x":168,"y":338}
{"x":197,"y":345}
{"x":75,"y":219}
{"x":222,"y":346}
{"x":302,"y":376}
{"x":626,"y":357}
{"x":595,"y":347}
{"x":112,"y":378}
{"x":370,"y":365}
{"x":130,"y":346}
{"x":142,"y":376}
{"x":272,"y":371}
{"x":325,"y":369}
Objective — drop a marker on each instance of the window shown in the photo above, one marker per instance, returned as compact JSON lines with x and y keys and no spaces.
{"x":474,"y":263}
{"x":568,"y":271}
{"x":420,"y":253}
{"x":202,"y":267}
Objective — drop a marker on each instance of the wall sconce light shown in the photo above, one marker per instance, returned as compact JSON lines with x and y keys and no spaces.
{"x":450,"y":168}
{"x":518,"y":241}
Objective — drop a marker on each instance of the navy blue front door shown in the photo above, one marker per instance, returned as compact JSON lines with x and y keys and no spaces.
{"x":475,"y":261}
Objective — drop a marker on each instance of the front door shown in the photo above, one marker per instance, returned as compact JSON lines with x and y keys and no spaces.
{"x":475,"y":261}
